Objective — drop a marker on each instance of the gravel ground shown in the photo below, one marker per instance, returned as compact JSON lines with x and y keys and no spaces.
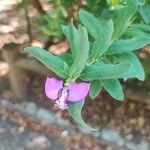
{"x":31,"y":116}
{"x":15,"y":137}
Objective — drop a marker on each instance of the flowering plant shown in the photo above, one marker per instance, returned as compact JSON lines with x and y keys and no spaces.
{"x":99,"y":62}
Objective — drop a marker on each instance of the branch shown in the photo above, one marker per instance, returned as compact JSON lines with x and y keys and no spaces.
{"x":37,"y":4}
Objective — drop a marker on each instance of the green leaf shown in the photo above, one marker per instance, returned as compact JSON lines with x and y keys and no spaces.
{"x":74,"y":110}
{"x":136,"y":32}
{"x":66,"y":58}
{"x":113,"y":87}
{"x":144,"y":11}
{"x":139,"y":31}
{"x":144,"y":27}
{"x":82,"y":55}
{"x":66,"y":32}
{"x":141,"y":2}
{"x":136,"y":71}
{"x":123,"y":16}
{"x":101,"y":30}
{"x":95,"y":88}
{"x":52,"y":62}
{"x":72,"y":35}
{"x":103,"y":42}
{"x":105,"y":71}
{"x":91,"y":23}
{"x":128,"y":45}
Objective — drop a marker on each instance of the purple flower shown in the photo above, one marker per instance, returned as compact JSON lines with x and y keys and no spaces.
{"x":64,"y":94}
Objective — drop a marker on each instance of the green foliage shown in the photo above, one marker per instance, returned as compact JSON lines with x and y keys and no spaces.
{"x":91,"y":23}
{"x":113,"y":87}
{"x":52,"y":62}
{"x":95,"y":88}
{"x":136,"y":71}
{"x":66,"y":57}
{"x":141,"y":2}
{"x":144,"y":12}
{"x":105,"y":71}
{"x":143,"y":27}
{"x":81,"y":54}
{"x":72,"y":35}
{"x":96,"y":7}
{"x":75,"y":111}
{"x":127,"y":45}
{"x":102,"y":50}
{"x":123,"y":16}
{"x":101,"y":44}
{"x":63,"y":3}
{"x":97,"y":29}
{"x":49,"y":24}
{"x":138,"y":32}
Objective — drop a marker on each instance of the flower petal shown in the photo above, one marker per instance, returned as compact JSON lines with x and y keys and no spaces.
{"x":78,"y":91}
{"x":52,"y":87}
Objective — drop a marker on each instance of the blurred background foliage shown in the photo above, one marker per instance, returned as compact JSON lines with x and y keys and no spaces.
{"x":51,"y":14}
{"x":59,"y":12}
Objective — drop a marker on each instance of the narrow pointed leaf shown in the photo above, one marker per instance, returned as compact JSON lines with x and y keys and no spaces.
{"x":91,"y":23}
{"x":144,"y":11}
{"x":128,"y":45}
{"x":51,"y":61}
{"x":137,"y":32}
{"x":105,"y":71}
{"x":95,"y":88}
{"x":101,"y":30}
{"x":113,"y":87}
{"x":82,"y":55}
{"x":66,"y":32}
{"x":74,"y":110}
{"x":66,"y":58}
{"x":144,"y":27}
{"x":72,"y":35}
{"x":123,"y":16}
{"x":136,"y":71}
{"x":103,"y":42}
